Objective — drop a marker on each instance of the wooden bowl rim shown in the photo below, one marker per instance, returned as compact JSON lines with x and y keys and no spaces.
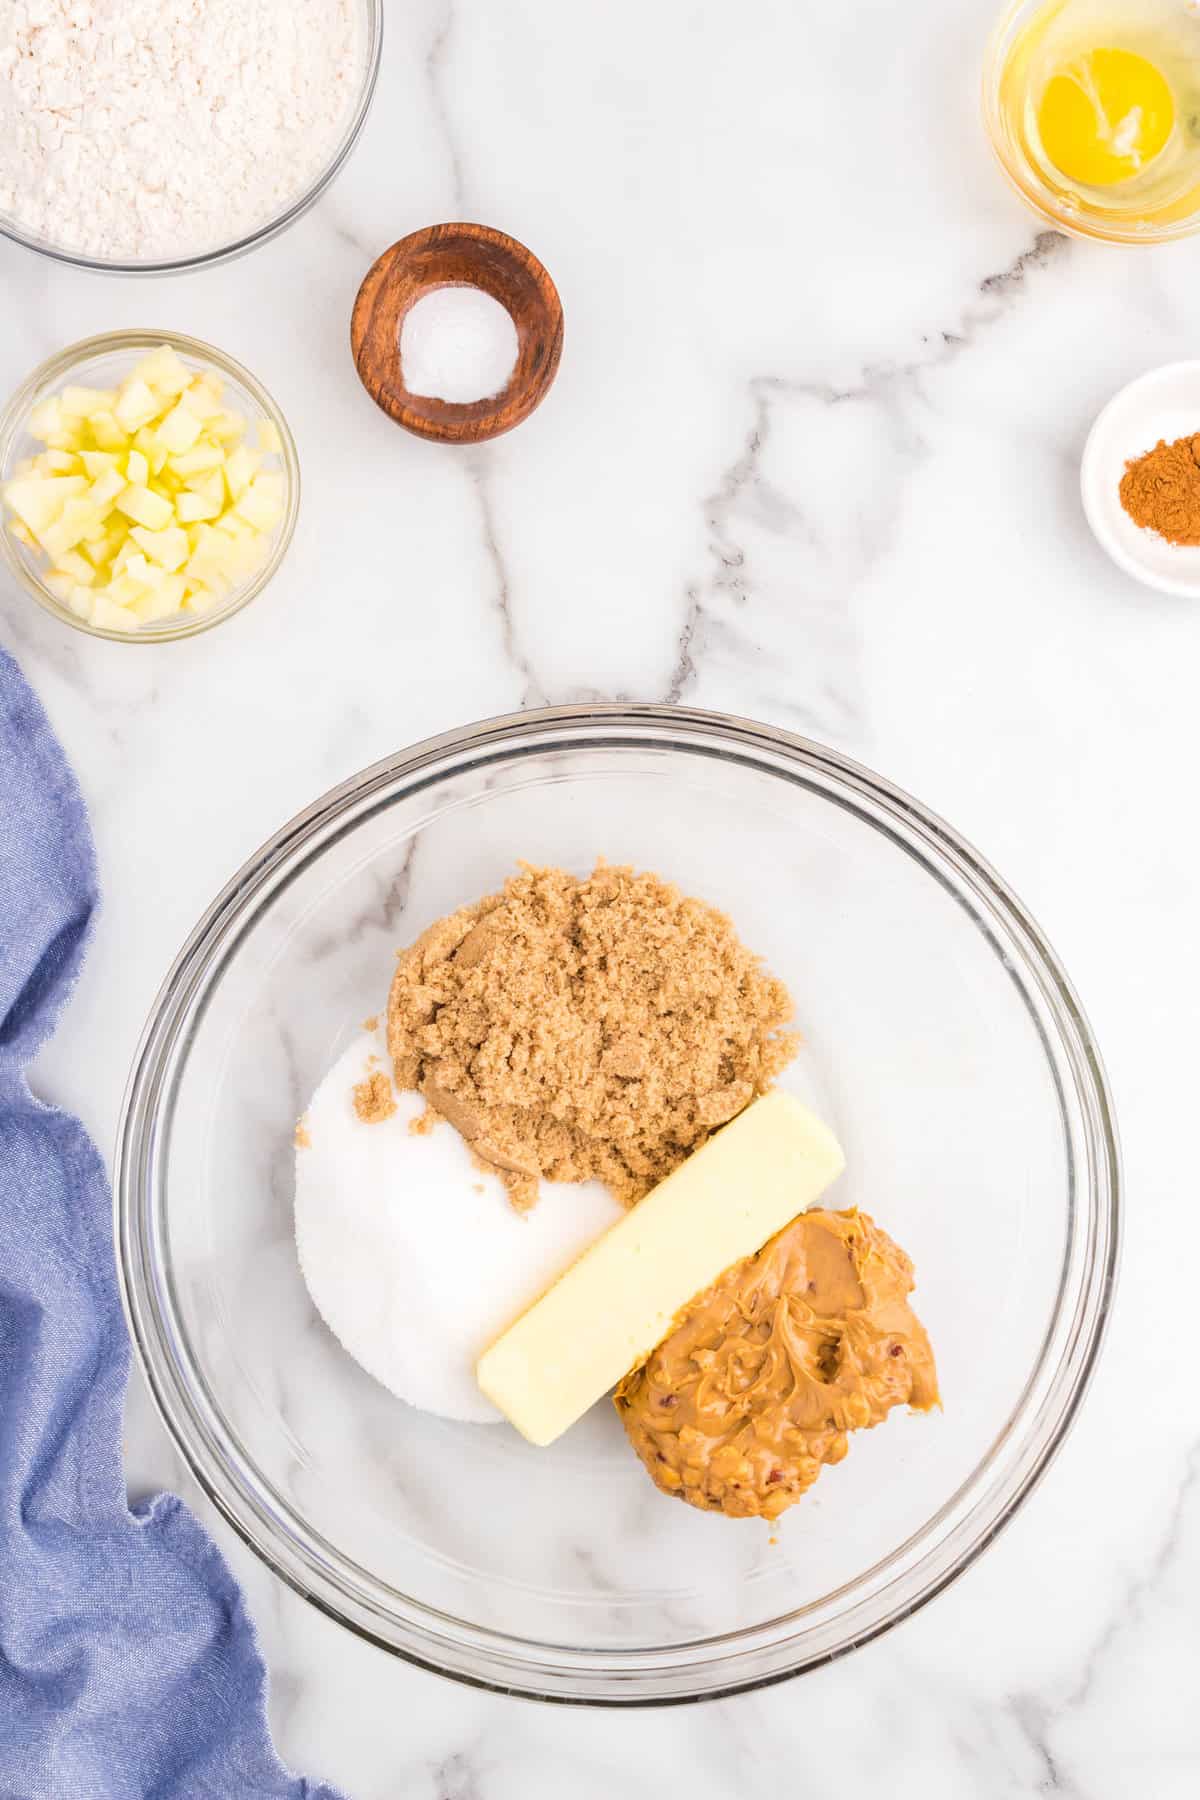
{"x":448,"y":421}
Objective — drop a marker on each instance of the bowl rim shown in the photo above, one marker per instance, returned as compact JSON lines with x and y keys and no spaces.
{"x":222,"y":253}
{"x":59,"y":368}
{"x":891,"y":1590}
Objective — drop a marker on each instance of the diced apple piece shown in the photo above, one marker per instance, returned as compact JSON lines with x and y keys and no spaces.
{"x":269,"y":440}
{"x":154,"y":451}
{"x":201,"y":539}
{"x":106,"y":433}
{"x":212,"y":561}
{"x":168,"y":548}
{"x":191,"y":508}
{"x":180,"y":429}
{"x":211,"y":484}
{"x":96,"y":462}
{"x":82,"y":402}
{"x":137,"y":468}
{"x":77,"y":567}
{"x":106,"y":489}
{"x":241,"y":466}
{"x":46,"y":419}
{"x":77,"y":521}
{"x":235,"y":557}
{"x":161,"y":601}
{"x":145,"y":508}
{"x":138,"y":569}
{"x":101,"y":551}
{"x":65,"y":590}
{"x":60,"y":462}
{"x":216,"y":585}
{"x":165,"y":371}
{"x":199,"y":598}
{"x":196,"y":462}
{"x":26,"y":466}
{"x":111,"y":615}
{"x":39,"y":500}
{"x":136,"y":404}
{"x":81,"y":509}
{"x":124,"y":589}
{"x":57,"y":539}
{"x":203,"y":397}
{"x":172,"y":591}
{"x":262,"y":511}
{"x":227,"y":427}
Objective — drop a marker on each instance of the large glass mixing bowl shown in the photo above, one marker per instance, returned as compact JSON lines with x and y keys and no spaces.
{"x":942,"y":1041}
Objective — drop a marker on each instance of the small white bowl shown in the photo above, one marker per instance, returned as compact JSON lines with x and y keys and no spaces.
{"x":1163,"y":404}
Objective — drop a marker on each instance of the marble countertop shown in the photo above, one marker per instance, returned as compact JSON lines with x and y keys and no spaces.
{"x":811,"y":456}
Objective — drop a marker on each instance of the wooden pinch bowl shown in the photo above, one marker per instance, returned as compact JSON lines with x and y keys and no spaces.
{"x":457,"y":256}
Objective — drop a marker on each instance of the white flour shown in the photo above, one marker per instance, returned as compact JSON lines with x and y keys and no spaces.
{"x":415,"y":1259}
{"x":154,"y":129}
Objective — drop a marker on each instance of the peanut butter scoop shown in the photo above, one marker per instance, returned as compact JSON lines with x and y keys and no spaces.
{"x":767,"y":1372}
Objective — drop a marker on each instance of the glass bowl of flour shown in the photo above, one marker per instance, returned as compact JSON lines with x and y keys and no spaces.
{"x":153,"y":136}
{"x":943,"y":1045}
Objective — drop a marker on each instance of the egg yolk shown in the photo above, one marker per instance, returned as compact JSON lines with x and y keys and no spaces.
{"x":1104,"y":116}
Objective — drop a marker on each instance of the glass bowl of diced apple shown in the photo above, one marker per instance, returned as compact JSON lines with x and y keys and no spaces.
{"x":149,"y":486}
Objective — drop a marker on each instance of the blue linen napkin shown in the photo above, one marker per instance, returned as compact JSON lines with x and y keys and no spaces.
{"x":129,"y":1669}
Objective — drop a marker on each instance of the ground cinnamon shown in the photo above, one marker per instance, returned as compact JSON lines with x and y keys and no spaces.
{"x":1161,"y":490}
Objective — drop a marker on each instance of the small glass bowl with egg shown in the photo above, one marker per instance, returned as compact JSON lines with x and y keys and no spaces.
{"x":149,"y":486}
{"x":1092,"y":109}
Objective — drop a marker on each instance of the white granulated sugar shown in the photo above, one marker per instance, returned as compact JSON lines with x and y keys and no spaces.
{"x":414,"y":1258}
{"x":457,"y":344}
{"x":148,"y":130}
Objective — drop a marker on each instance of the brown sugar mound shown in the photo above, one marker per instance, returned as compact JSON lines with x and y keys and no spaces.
{"x":586,"y":1029}
{"x":373,"y":1102}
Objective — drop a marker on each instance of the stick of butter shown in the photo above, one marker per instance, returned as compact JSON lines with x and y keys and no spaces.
{"x":610,"y":1309}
